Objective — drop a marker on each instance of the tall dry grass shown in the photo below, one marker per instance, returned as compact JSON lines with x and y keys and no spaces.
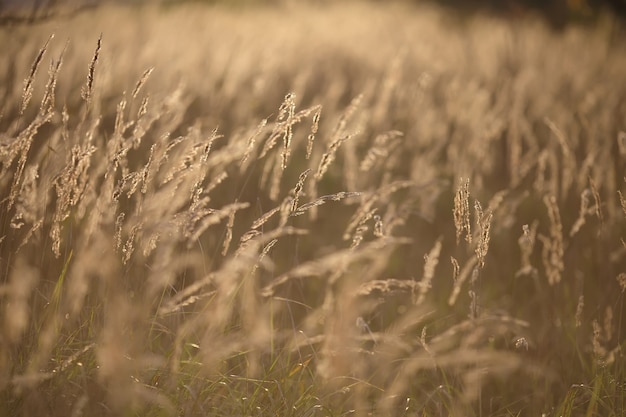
{"x":209,"y":211}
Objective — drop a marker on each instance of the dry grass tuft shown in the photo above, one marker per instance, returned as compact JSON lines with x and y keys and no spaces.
{"x":87,"y":90}
{"x":483,"y":224}
{"x":27,"y":95}
{"x":462,"y":211}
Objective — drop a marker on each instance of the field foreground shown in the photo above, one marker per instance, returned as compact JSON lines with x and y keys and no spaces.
{"x":323,"y":210}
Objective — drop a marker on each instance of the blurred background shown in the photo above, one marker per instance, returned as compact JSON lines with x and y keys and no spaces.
{"x":559,"y":13}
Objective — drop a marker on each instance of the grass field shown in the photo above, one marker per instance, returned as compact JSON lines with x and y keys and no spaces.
{"x":333,"y":209}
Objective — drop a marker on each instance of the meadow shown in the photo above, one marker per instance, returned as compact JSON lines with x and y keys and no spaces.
{"x":295,"y":210}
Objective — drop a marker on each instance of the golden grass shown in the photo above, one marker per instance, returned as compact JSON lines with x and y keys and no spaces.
{"x":218,"y":211}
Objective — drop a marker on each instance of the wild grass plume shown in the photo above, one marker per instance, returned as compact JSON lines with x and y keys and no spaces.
{"x":229,"y":210}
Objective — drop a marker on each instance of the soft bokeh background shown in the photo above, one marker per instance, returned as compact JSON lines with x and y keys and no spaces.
{"x":558,"y":12}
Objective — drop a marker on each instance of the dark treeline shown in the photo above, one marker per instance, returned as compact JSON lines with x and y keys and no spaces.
{"x":558,"y":12}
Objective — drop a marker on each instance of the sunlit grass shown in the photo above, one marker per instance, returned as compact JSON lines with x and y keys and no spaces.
{"x":224,"y":211}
